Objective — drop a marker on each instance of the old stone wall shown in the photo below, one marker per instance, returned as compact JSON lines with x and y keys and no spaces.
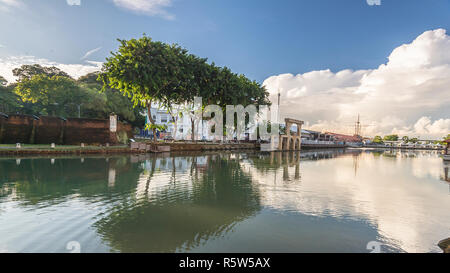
{"x":73,"y":131}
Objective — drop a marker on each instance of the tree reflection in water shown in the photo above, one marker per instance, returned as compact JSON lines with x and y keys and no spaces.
{"x":180,"y":215}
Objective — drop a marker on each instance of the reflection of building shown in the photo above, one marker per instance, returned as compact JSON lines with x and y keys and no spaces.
{"x":447,"y":150}
{"x":446,"y":176}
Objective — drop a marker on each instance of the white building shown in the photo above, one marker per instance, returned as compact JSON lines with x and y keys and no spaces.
{"x":162,"y":117}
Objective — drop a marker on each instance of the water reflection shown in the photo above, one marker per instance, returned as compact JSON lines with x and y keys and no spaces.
{"x":313,"y":201}
{"x":199,"y":202}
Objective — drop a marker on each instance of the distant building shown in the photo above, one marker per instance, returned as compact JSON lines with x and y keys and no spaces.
{"x":346,"y":139}
{"x":316,"y":136}
{"x":161,"y":117}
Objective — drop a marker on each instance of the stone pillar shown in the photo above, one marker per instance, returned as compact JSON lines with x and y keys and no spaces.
{"x":288,"y":128}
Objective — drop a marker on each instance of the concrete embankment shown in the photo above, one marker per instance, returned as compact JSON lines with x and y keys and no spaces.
{"x":62,"y":151}
{"x":77,"y":150}
{"x":322,"y":146}
{"x":176,"y":147}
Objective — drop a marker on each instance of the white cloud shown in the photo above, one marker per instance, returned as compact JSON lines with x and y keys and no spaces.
{"x":74,"y":2}
{"x":90,"y":52}
{"x":149,"y":7}
{"x":402,"y":96}
{"x":6,"y":5}
{"x":74,"y":70}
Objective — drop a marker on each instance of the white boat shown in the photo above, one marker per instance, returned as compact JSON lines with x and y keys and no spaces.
{"x":446,"y":157}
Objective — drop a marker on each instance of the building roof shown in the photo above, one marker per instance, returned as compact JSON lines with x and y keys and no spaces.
{"x":310,"y":131}
{"x":346,"y":138}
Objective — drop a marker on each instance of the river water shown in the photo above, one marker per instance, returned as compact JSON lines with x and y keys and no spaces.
{"x":313,"y":201}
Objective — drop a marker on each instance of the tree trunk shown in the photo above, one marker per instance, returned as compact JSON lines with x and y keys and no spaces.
{"x":193,"y":130}
{"x":150,"y":118}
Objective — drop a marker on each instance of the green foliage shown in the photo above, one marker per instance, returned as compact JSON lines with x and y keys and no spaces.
{"x":146,"y":71}
{"x":154,"y":72}
{"x":378,"y":140}
{"x":102,"y":103}
{"x":53,"y":93}
{"x":3,"y":82}
{"x":153,"y":127}
{"x":49,"y":91}
{"x":149,"y":71}
{"x":391,"y":138}
{"x":28,"y":71}
{"x":9,"y":101}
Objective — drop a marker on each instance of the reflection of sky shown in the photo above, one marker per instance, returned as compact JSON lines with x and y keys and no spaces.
{"x":402,"y":196}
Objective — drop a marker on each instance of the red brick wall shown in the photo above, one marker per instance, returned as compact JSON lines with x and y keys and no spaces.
{"x":26,"y":129}
{"x":16,"y":129}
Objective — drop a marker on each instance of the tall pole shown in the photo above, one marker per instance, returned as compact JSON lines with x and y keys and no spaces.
{"x":358,"y":126}
{"x":279,"y":99}
{"x":279,"y":95}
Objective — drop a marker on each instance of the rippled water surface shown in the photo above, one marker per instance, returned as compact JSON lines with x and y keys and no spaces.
{"x":324,"y":201}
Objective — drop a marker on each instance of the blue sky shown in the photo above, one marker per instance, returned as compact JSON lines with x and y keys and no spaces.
{"x":330,"y":59}
{"x":257,"y":38}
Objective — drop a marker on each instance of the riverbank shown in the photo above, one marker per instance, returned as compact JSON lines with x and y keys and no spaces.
{"x":404,"y":148}
{"x":28,"y":149}
{"x":322,"y":146}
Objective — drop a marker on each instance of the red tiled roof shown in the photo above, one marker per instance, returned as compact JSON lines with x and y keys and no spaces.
{"x":346,"y":138}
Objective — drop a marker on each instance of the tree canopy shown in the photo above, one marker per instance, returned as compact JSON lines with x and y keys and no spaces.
{"x":150,"y":72}
{"x":50,"y":91}
{"x":28,"y":71}
{"x":391,"y":138}
{"x":378,"y":139}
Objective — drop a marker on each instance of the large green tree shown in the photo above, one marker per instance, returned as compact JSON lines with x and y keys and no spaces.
{"x":148,"y":72}
{"x":391,"y":138}
{"x":54,"y":93}
{"x":9,"y":101}
{"x":101,"y":103}
{"x":378,"y":140}
{"x":28,"y":71}
{"x":151,"y":72}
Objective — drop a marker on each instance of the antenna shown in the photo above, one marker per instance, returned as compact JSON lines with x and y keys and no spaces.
{"x":358,"y":126}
